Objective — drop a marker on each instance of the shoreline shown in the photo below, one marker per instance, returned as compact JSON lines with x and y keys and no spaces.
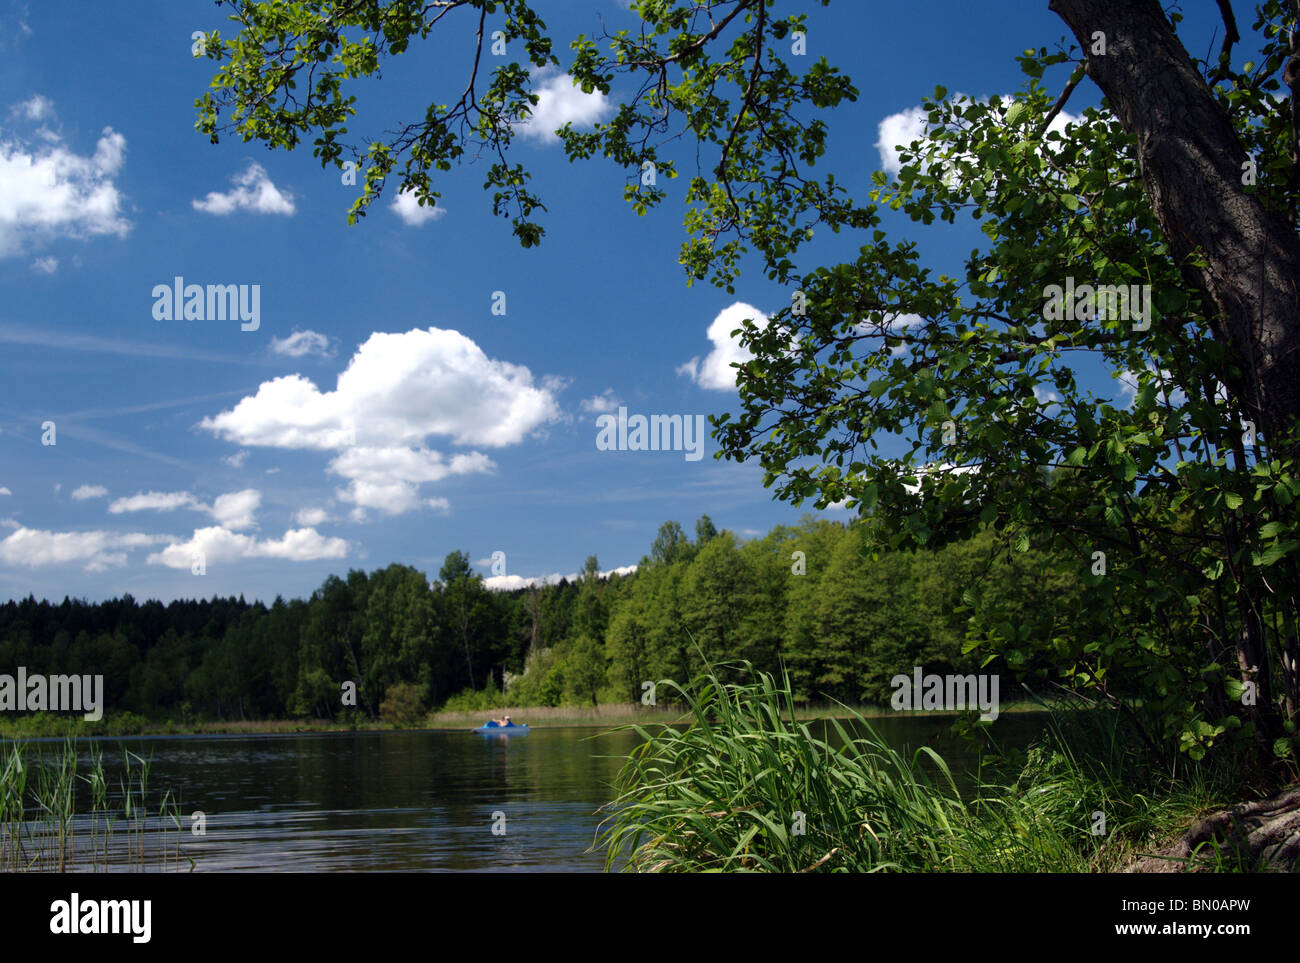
{"x":536,"y":717}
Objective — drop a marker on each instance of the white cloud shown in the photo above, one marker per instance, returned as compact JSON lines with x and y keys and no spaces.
{"x":232,"y":510}
{"x":602,"y":403}
{"x":216,"y":545}
{"x":36,"y":108}
{"x":311,"y":517}
{"x":509,"y":583}
{"x":407,"y":206}
{"x":388,"y":479}
{"x":895,"y":324}
{"x":1163,"y":380}
{"x":237,"y":459}
{"x":152,"y":502}
{"x":253,"y":191}
{"x":715,"y":371}
{"x":302,"y":343}
{"x":912,"y":124}
{"x":560,"y":102}
{"x":942,"y":468}
{"x":5,"y":491}
{"x":237,"y":509}
{"x":397,"y":390}
{"x":49,"y":192}
{"x":89,"y":491}
{"x":899,"y":129}
{"x":35,"y":548}
{"x":46,"y":265}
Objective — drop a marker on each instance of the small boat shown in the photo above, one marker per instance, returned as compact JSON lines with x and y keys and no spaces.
{"x":491,"y":729}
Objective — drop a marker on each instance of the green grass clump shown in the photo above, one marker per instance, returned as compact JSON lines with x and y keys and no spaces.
{"x":747,"y":786}
{"x":726,"y":793}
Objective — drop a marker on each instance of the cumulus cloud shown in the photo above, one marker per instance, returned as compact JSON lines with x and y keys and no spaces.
{"x":396,"y":392}
{"x":714,"y":371}
{"x":407,"y":206}
{"x":397,"y":389}
{"x":49,"y":192}
{"x":89,"y":491}
{"x":913,"y":124}
{"x":36,"y":548}
{"x":237,"y":459}
{"x":232,"y":510}
{"x":217,"y":545}
{"x":237,"y":509}
{"x":899,"y":130}
{"x":389,"y":479}
{"x":311,"y":517}
{"x":509,"y":583}
{"x":46,"y":265}
{"x":602,"y":403}
{"x":302,"y":343}
{"x":560,"y":102}
{"x":253,"y":191}
{"x":5,"y":491}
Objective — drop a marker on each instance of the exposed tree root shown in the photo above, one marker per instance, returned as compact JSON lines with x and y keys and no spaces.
{"x":1263,"y":835}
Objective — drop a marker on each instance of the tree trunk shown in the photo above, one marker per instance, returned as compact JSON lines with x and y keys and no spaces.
{"x":1191,"y":164}
{"x":464,"y":637}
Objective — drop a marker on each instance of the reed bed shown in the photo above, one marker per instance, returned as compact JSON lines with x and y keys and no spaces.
{"x":57,"y":815}
{"x":747,"y":786}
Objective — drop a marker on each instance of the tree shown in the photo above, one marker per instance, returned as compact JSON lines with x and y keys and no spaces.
{"x":1225,"y":238}
{"x":591,"y":617}
{"x":584,"y":669}
{"x":671,"y":544}
{"x":723,"y":607}
{"x":463,"y":602}
{"x":705,"y":531}
{"x":397,"y":643}
{"x":1188,"y":494}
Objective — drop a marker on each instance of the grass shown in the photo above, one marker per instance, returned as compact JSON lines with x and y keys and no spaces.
{"x":748,"y":786}
{"x":55,"y":817}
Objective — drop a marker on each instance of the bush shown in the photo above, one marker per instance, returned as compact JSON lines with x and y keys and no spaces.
{"x":542,"y":683}
{"x":476,"y":700}
{"x":402,"y":705}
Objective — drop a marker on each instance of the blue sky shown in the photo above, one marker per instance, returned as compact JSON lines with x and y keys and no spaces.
{"x":253,"y":447}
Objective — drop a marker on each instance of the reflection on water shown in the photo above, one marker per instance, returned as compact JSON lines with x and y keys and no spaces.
{"x":418,"y":800}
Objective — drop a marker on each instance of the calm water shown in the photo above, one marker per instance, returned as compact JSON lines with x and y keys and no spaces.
{"x":418,"y":800}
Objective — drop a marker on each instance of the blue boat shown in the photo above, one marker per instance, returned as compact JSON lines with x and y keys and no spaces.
{"x":492,"y":729}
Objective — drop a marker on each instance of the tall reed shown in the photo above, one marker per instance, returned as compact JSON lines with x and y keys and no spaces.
{"x":745,"y":786}
{"x":55,"y":817}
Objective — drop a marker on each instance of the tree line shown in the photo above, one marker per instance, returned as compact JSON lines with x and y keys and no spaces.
{"x":811,"y":598}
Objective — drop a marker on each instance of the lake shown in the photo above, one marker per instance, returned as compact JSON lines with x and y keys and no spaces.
{"x":420,"y":800}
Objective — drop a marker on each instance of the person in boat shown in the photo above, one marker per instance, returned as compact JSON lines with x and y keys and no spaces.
{"x":501,"y":723}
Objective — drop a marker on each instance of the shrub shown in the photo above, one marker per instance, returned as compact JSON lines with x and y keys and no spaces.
{"x":402,"y":705}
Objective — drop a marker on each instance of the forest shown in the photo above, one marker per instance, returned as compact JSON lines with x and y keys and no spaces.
{"x":809,"y":597}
